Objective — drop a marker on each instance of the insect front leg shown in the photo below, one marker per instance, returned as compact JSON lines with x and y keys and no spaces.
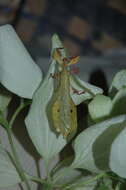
{"x":75,"y":91}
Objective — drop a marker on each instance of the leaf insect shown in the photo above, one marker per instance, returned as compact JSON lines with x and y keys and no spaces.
{"x":63,"y":109}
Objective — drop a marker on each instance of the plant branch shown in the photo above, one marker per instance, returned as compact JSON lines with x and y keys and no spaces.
{"x":15,"y":155}
{"x":17,"y":111}
{"x":16,"y":159}
{"x":36,"y":179}
{"x":83,"y":183}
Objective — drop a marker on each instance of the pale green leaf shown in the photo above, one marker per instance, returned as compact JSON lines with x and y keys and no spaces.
{"x":85,"y":90}
{"x":118,"y":82}
{"x":83,"y":183}
{"x":8,"y":173}
{"x":66,"y":175}
{"x":90,"y":186}
{"x":118,"y":186}
{"x":100,"y":107}
{"x":38,"y":124}
{"x":70,"y":177}
{"x":119,"y":102}
{"x":118,"y":154}
{"x":18,"y":72}
{"x":92,"y":147}
{"x":108,"y":182}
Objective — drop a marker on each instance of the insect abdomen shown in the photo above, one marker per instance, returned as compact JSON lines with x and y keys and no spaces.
{"x":64,"y":119}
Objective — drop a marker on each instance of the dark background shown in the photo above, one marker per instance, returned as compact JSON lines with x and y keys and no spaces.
{"x":87,"y":27}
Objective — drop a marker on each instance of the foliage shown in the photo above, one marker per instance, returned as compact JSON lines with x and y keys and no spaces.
{"x":99,"y":159}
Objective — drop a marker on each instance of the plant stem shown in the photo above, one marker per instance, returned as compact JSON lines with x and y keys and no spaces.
{"x":15,"y":156}
{"x":80,"y":184}
{"x":17,"y":162}
{"x":60,"y":164}
{"x":62,"y":173}
{"x":20,"y":107}
{"x":36,"y":179}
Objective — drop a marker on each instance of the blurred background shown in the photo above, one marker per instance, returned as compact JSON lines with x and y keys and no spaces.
{"x":87,"y":27}
{"x":94,"y":29}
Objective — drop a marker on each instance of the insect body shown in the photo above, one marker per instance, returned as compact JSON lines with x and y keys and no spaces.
{"x":64,"y":113}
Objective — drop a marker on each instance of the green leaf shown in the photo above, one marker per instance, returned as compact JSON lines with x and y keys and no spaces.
{"x":118,"y":154}
{"x":92,"y":147}
{"x":38,"y":123}
{"x":83,"y":183}
{"x":8,"y":173}
{"x":18,"y":72}
{"x":61,"y":164}
{"x":66,"y":175}
{"x":100,"y":107}
{"x":118,"y":82}
{"x":107,"y":181}
{"x":119,"y":102}
{"x":118,"y":186}
{"x":103,"y":187}
{"x":86,"y":90}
